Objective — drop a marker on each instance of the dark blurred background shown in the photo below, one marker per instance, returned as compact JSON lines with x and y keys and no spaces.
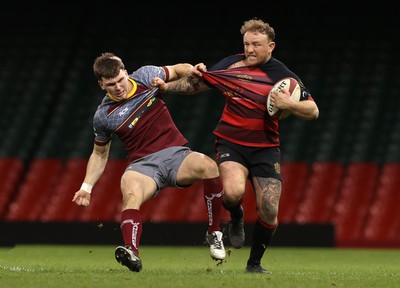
{"x":346,"y":56}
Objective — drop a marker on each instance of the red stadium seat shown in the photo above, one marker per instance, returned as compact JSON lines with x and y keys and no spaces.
{"x":172,"y":205}
{"x":105,"y":201}
{"x":249,"y":204}
{"x":294,"y":177}
{"x":353,"y":201}
{"x":36,"y":190}
{"x":196,"y":210}
{"x":11,"y":170}
{"x":320,"y":193}
{"x":383,"y":221}
{"x":59,"y":206}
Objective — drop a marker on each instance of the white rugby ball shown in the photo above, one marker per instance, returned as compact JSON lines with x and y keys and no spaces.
{"x":294,"y":89}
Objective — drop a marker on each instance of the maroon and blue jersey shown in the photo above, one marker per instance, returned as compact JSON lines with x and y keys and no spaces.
{"x":245,"y":119}
{"x":142,"y":121}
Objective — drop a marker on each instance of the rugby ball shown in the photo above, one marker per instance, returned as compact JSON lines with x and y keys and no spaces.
{"x":294,"y":89}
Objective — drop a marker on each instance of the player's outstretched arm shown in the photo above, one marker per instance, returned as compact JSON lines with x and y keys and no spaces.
{"x":94,"y":169}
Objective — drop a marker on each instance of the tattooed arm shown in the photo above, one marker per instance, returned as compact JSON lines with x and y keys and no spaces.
{"x":186,"y":85}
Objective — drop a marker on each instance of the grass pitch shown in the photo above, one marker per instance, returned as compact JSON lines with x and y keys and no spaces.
{"x":182,"y":267}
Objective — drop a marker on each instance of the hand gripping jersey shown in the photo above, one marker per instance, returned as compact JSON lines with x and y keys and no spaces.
{"x":142,"y":121}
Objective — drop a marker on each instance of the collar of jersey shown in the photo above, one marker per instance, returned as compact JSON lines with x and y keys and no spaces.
{"x":129,"y":95}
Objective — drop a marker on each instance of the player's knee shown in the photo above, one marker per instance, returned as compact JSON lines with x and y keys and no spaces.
{"x":269,"y":207}
{"x":231,"y":200}
{"x":207,"y":168}
{"x":212,"y":169}
{"x":130,"y":199}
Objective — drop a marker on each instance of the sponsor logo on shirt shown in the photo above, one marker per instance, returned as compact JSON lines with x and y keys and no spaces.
{"x":149,"y":104}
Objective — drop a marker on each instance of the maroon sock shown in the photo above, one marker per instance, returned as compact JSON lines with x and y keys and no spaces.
{"x":213,"y":192}
{"x":131,"y":226}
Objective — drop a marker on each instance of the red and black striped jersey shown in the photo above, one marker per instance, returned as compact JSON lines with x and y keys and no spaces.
{"x":245,"y":119}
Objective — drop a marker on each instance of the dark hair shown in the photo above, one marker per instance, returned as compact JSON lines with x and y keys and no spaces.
{"x":107,"y":65}
{"x":259,"y":25}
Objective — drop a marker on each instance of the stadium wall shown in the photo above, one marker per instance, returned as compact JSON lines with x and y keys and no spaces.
{"x":108,"y":233}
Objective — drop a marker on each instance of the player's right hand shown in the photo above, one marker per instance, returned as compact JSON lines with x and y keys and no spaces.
{"x":81,"y":198}
{"x":160,"y":83}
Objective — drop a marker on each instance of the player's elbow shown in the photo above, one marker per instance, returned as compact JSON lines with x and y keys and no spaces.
{"x":312,"y":111}
{"x":314,"y":114}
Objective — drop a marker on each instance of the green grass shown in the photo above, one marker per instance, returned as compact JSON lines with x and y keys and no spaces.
{"x":190,"y":267}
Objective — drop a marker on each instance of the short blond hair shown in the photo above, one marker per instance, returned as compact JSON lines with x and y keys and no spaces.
{"x":259,"y":25}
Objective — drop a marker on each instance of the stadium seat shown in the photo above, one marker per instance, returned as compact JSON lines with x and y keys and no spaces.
{"x":36,"y":190}
{"x":196,"y":210}
{"x":354,"y":198}
{"x":249,"y":204}
{"x":11,"y":171}
{"x":294,"y":177}
{"x":383,"y":221}
{"x":172,"y":205}
{"x":59,"y":206}
{"x":320,"y":193}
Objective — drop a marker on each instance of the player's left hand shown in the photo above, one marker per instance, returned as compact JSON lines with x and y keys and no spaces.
{"x":198,"y":68}
{"x":281,"y":99}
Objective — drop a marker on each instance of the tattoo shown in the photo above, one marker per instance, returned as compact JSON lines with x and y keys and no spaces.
{"x":186,"y":85}
{"x":271,"y":189}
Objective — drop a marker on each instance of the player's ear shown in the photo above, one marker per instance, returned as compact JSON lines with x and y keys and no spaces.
{"x":101,"y":84}
{"x":271,"y":45}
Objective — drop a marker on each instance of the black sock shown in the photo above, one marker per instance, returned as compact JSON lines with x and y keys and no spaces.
{"x":236,"y":212}
{"x":262,"y":235}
